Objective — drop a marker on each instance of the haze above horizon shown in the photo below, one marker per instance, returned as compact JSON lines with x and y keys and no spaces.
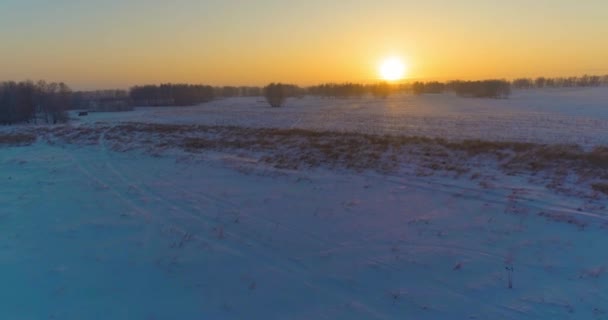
{"x":117,"y":44}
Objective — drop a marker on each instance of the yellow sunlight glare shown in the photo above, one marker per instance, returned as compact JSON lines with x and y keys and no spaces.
{"x":392,"y":69}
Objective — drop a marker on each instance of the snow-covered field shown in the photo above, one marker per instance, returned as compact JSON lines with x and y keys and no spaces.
{"x":96,"y":224}
{"x":575,"y":115}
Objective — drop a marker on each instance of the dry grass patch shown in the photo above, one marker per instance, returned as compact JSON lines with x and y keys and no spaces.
{"x":481,"y":147}
{"x":197,"y":144}
{"x":17,"y":139}
{"x":300,"y":147}
{"x":598,"y":157}
{"x":600,"y":187}
{"x":544,"y":157}
{"x":564,"y":218}
{"x":297,"y":148}
{"x":76,"y":135}
{"x":132,"y":127}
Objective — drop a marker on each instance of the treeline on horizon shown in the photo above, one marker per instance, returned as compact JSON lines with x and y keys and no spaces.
{"x":29,"y":102}
{"x":184,"y":94}
{"x":42,"y":102}
{"x":542,"y":82}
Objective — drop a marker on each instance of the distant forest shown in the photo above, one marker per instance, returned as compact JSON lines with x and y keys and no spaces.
{"x":40,"y":102}
{"x":47,"y":102}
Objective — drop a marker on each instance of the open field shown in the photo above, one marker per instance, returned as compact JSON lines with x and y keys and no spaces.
{"x":431,"y":207}
{"x":576,"y":115}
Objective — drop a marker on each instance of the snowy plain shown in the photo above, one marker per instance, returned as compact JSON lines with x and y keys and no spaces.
{"x":567,"y":115}
{"x":88,"y":232}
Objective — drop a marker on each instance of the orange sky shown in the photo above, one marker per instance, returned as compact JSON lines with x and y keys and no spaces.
{"x":121,"y":43}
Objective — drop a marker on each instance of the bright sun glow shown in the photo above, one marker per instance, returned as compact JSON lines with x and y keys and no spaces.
{"x":392,"y":69}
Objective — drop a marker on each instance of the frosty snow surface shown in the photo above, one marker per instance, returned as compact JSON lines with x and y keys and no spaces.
{"x":95,"y":226}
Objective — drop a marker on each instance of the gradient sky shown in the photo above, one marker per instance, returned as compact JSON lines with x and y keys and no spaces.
{"x":118,"y":43}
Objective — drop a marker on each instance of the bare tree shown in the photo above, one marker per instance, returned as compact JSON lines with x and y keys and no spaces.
{"x":276,"y":94}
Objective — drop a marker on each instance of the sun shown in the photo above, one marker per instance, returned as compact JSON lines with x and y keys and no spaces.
{"x":392,"y":69}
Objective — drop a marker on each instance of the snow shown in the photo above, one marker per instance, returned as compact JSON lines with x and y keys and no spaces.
{"x":576,"y":115}
{"x":91,"y":233}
